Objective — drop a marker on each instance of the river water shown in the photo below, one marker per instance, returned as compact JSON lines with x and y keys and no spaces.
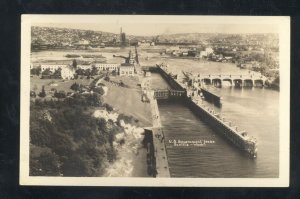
{"x":253,"y":110}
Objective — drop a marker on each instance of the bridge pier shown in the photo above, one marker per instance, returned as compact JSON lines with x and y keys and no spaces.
{"x":227,"y":82}
{"x":248,"y":83}
{"x":259,"y":83}
{"x":206,"y":81}
{"x":238,"y":83}
{"x":251,"y":80}
{"x":217,"y":83}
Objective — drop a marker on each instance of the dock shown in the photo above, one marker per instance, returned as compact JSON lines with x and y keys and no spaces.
{"x":210,"y":96}
{"x":160,"y":154}
{"x":240,"y":139}
{"x":161,"y":158}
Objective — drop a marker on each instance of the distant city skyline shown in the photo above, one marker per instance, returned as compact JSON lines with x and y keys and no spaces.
{"x":151,"y":29}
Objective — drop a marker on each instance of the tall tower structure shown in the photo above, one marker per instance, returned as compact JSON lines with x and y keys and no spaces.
{"x":131,"y":59}
{"x":122,"y":37}
{"x":121,"y":34}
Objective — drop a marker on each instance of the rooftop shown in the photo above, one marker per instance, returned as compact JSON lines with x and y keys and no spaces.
{"x":65,"y":62}
{"x":127,"y":65}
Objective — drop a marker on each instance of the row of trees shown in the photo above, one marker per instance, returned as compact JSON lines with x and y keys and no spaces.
{"x":35,"y":71}
{"x":61,"y":94}
{"x":79,"y":88}
{"x":87,"y":72}
{"x":42,"y":94}
{"x":46,"y":72}
{"x":84,"y":100}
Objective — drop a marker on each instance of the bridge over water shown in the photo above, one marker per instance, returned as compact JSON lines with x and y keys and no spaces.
{"x":248,"y":80}
{"x":168,"y":94}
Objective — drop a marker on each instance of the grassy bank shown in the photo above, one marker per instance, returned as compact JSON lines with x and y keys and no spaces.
{"x":128,"y":100}
{"x":36,"y":84}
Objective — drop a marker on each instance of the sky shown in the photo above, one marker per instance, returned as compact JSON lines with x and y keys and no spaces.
{"x":151,"y":29}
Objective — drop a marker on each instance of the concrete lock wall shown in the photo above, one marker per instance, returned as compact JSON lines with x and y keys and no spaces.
{"x":220,"y":127}
{"x":149,"y":145}
{"x":216,"y":123}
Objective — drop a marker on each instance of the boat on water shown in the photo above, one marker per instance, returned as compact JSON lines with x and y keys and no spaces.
{"x":240,"y":139}
{"x":93,"y":56}
{"x":72,"y":55}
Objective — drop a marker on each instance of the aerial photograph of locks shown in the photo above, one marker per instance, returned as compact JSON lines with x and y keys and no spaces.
{"x":154,"y":100}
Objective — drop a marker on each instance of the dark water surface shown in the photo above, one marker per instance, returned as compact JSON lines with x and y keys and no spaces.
{"x":254,"y":110}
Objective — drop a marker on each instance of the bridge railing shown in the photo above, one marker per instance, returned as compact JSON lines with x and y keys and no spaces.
{"x":167,"y":93}
{"x":230,"y":77}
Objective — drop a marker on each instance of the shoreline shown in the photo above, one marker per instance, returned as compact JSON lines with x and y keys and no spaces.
{"x":131,"y":155}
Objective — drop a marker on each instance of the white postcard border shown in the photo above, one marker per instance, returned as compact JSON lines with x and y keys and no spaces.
{"x":284,"y":136}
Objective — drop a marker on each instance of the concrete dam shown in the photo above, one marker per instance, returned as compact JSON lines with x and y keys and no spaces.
{"x":231,"y":80}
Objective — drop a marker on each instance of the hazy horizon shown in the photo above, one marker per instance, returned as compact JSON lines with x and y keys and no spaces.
{"x":139,"y":29}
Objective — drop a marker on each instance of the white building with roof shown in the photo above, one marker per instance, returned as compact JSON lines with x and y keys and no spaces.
{"x":84,"y":66}
{"x":83,"y":42}
{"x":105,"y":66}
{"x":67,"y":72}
{"x":52,"y":66}
{"x":209,"y":50}
{"x":126,"y":70}
{"x":203,"y":54}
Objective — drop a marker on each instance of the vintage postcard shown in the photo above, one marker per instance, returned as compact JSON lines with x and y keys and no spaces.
{"x":134,"y":100}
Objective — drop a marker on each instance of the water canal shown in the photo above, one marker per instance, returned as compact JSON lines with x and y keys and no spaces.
{"x":254,"y":110}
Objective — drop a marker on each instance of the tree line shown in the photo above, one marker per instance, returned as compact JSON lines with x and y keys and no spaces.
{"x":65,"y":140}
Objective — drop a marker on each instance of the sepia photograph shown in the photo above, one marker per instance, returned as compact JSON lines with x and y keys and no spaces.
{"x":136,"y":100}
